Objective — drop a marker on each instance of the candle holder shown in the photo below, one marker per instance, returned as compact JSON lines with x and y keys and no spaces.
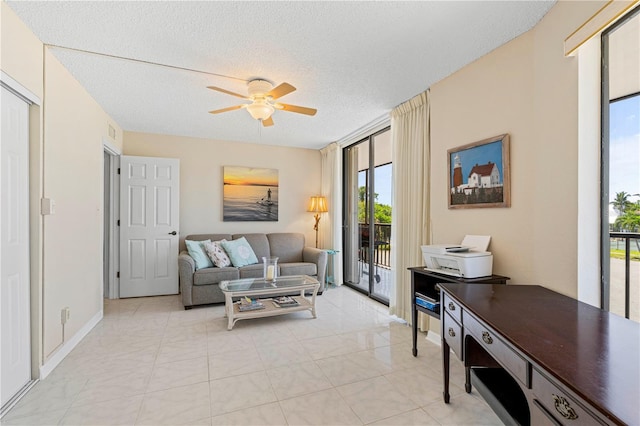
{"x":270,"y":268}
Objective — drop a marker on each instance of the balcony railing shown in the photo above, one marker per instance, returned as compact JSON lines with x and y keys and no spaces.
{"x":381,"y":243}
{"x":626,"y":238}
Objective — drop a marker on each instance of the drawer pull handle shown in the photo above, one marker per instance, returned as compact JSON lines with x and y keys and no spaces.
{"x":451,"y":332}
{"x":486,"y":337}
{"x":563,"y":407}
{"x":452,"y":307}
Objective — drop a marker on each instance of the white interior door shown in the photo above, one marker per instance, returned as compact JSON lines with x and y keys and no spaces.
{"x":14,"y":247}
{"x":149,"y":210}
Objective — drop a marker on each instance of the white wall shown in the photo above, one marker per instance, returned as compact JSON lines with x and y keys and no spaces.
{"x":201,"y":163}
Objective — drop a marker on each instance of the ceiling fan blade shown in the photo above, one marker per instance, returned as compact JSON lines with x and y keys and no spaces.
{"x":295,"y":108}
{"x":268,"y":122}
{"x":281,"y":90}
{"x":233,"y":108}
{"x":218,"y":89}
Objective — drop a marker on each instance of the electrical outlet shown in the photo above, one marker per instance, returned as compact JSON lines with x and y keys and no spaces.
{"x":65,"y":314}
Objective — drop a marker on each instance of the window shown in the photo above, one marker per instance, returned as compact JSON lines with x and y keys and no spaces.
{"x":621,"y":167}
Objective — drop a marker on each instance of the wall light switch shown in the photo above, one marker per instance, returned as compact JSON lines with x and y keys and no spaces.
{"x":65,"y":314}
{"x":47,"y":206}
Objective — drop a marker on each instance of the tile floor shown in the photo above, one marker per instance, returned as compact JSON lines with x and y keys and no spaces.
{"x":150,"y":362}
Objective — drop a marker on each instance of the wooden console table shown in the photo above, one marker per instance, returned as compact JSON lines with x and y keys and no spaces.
{"x":552,"y":359}
{"x":424,"y":281}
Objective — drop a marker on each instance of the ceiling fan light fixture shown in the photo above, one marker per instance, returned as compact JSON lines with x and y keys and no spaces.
{"x":260,"y":110}
{"x":263,"y":95}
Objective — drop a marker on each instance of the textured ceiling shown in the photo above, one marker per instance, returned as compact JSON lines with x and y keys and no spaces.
{"x":353,"y":61}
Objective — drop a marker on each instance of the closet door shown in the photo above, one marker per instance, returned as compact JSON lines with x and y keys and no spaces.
{"x":15,"y":352}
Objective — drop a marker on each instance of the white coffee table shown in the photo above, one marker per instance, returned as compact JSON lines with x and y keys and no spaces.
{"x":258,"y":287}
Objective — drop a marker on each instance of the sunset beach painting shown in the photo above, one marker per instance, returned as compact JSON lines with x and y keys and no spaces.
{"x":250,"y":194}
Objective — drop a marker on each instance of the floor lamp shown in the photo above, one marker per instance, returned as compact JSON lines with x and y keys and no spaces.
{"x":317,"y":205}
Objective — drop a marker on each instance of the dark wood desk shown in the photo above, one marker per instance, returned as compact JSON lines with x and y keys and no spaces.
{"x":571,"y":362}
{"x":425,"y":282}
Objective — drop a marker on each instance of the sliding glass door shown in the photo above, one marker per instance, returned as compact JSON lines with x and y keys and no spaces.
{"x":620,"y":167}
{"x":367,"y":215}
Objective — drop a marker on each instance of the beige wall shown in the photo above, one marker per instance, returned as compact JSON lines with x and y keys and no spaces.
{"x":74,"y":128}
{"x":526,"y":88}
{"x":21,"y":53}
{"x":201,"y":162}
{"x":66,"y":166}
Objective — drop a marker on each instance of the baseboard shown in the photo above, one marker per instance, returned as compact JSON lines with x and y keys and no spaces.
{"x":434,"y":338}
{"x":68,"y":346}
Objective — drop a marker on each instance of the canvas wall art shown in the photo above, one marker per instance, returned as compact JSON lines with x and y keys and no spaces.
{"x":250,"y":194}
{"x":479,"y":174}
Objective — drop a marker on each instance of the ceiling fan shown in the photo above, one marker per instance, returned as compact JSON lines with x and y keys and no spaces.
{"x":263,"y":95}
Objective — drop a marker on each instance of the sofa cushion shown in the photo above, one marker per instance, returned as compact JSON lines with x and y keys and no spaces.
{"x":202,"y":237}
{"x":252,"y":271}
{"x":287,"y":246}
{"x":240,"y":252}
{"x":298,"y":268}
{"x":258,"y":243}
{"x":214,"y":275}
{"x":197,"y":252}
{"x":217,"y":254}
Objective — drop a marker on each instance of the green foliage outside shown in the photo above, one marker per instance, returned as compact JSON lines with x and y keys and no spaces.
{"x":382,"y":212}
{"x":628,"y":220}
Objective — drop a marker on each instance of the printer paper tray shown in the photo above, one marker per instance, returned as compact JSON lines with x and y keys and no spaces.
{"x":445,"y":272}
{"x":453,"y":273}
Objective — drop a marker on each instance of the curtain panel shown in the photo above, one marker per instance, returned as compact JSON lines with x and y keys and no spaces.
{"x":410,"y":219}
{"x":330,"y":226}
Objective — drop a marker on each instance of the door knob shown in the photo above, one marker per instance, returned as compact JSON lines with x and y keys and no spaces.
{"x":173,"y":233}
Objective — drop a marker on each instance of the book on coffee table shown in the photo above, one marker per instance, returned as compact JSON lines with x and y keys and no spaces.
{"x":285,"y":301}
{"x":246,"y":304}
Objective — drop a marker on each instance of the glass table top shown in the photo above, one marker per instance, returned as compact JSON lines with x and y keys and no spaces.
{"x":247,"y":284}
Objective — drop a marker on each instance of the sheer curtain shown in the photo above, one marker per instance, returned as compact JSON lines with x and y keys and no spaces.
{"x":330,"y":227}
{"x":410,"y":219}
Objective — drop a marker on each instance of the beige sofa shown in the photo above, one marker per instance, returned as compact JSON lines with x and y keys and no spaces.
{"x":201,"y":287}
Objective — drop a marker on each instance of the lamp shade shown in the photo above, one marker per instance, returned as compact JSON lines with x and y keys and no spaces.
{"x":260,"y":110}
{"x":318,"y":204}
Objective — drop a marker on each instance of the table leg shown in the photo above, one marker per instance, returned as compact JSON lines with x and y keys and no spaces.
{"x":467,"y":379}
{"x":228,"y":307}
{"x":414,"y":327}
{"x":446,"y":352}
{"x":313,"y":302}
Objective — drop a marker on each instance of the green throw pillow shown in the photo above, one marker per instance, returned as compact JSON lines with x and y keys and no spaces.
{"x":240,"y":252}
{"x":196,"y":251}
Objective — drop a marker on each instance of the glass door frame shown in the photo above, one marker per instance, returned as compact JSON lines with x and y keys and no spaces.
{"x":370,"y":213}
{"x":605,"y":239}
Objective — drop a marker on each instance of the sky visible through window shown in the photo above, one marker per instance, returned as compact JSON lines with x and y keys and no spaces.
{"x":382,"y":182}
{"x":624,"y":148}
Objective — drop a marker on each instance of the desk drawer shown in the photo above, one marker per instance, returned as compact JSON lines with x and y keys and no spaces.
{"x":452,"y":334}
{"x":564,"y":409}
{"x":452,"y":308}
{"x":488,"y":339}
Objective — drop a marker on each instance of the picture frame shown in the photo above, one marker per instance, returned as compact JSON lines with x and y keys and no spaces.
{"x":250,"y":194}
{"x":479,"y":174}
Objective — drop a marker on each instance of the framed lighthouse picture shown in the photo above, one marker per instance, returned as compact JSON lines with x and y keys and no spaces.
{"x":479,"y":174}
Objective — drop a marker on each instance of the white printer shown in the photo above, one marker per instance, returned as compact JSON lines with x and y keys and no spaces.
{"x":470,"y":259}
